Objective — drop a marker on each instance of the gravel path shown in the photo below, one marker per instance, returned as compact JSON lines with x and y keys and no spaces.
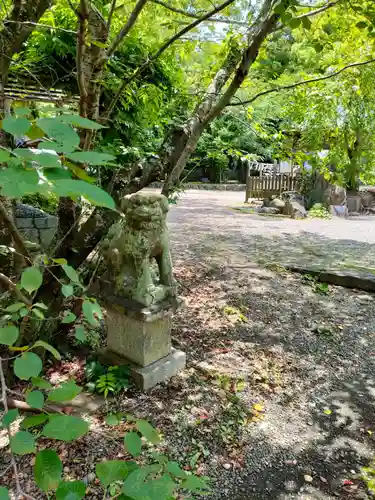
{"x":278,"y":397}
{"x":320,"y":350}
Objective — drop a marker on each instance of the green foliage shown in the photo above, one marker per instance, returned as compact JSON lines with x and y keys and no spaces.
{"x":22,"y":443}
{"x":65,"y":428}
{"x":35,"y":399}
{"x":47,"y":470}
{"x":133,"y":444}
{"x":318,"y":211}
{"x":160,"y":480}
{"x":106,"y":380}
{"x":71,"y":490}
{"x":52,"y":171}
{"x":8,"y":334}
{"x":368,"y":477}
{"x":28,"y":365}
{"x":66,"y":392}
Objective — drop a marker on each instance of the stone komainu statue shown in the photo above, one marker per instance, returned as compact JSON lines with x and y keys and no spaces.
{"x":137,"y":252}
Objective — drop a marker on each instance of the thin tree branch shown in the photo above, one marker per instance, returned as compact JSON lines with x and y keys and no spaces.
{"x":38,"y":25}
{"x":303,"y":82}
{"x":160,"y":51}
{"x":17,"y":238}
{"x":4,"y":400}
{"x":83,"y":17}
{"x":197,"y":16}
{"x":8,"y":283}
{"x":110,"y":15}
{"x":128,"y":26}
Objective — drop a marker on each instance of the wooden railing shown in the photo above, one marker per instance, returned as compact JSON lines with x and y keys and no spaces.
{"x":267,"y":186}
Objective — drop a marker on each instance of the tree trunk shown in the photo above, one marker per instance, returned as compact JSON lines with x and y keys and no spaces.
{"x":216,"y":101}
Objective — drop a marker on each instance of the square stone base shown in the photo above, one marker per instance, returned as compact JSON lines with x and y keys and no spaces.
{"x":146,"y":377}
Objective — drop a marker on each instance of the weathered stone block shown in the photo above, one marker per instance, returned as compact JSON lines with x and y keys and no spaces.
{"x":142,"y":342}
{"x":147,"y":377}
{"x":24,"y":222}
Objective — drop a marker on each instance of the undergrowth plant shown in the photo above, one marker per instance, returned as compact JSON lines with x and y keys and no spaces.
{"x":54,"y":168}
{"x":106,"y":380}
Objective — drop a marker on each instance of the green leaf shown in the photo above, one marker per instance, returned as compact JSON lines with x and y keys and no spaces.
{"x":90,"y":309}
{"x":23,"y":312}
{"x":295,"y":23}
{"x":146,"y":429}
{"x":4,"y":156}
{"x":71,"y":490}
{"x":176,"y":471}
{"x":22,"y":111}
{"x":31,"y":279}
{"x":15,"y":307}
{"x":134,"y":485}
{"x":9,"y":417}
{"x":37,"y":313}
{"x":195,"y":484}
{"x":60,"y":261}
{"x":68,"y":318}
{"x":35,"y":132}
{"x":65,"y":428}
{"x":93,"y":194}
{"x":79,"y":121}
{"x":67,"y":290}
{"x":8,"y":335}
{"x":112,"y":419}
{"x":22,"y":443}
{"x":47,"y":470}
{"x":4,"y":493}
{"x":80,"y":173}
{"x":61,"y":132}
{"x":40,"y":305}
{"x":133,"y":443}
{"x":28,"y":365}
{"x":161,"y":487}
{"x":110,"y":471}
{"x":41,"y":383}
{"x":80,"y":333}
{"x":35,"y":399}
{"x":71,"y":273}
{"x":34,"y":421}
{"x":66,"y":392}
{"x":361,"y":25}
{"x":18,"y":181}
{"x":306,"y":23}
{"x":40,"y":343}
{"x":16,"y":126}
{"x":91,"y":157}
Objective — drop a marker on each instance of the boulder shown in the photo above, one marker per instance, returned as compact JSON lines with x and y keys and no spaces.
{"x":277,"y":203}
{"x":334,"y":195}
{"x":268,"y":210}
{"x":293,"y":196}
{"x":295,"y":210}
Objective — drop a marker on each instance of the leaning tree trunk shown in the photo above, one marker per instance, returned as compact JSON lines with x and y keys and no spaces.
{"x":90,"y":56}
{"x":216,"y":102}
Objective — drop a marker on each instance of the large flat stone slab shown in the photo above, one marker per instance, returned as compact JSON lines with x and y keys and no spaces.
{"x":348,"y":278}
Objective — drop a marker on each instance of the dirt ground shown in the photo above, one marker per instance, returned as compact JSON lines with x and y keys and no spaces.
{"x":278,"y":397}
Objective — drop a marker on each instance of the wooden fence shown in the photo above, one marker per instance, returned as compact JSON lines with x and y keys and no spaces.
{"x":267,"y":186}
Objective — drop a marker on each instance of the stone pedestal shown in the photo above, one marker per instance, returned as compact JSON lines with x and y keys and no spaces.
{"x":141,"y":338}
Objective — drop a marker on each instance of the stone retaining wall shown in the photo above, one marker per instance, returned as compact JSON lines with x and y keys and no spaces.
{"x":207,"y":186}
{"x":35,"y":225}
